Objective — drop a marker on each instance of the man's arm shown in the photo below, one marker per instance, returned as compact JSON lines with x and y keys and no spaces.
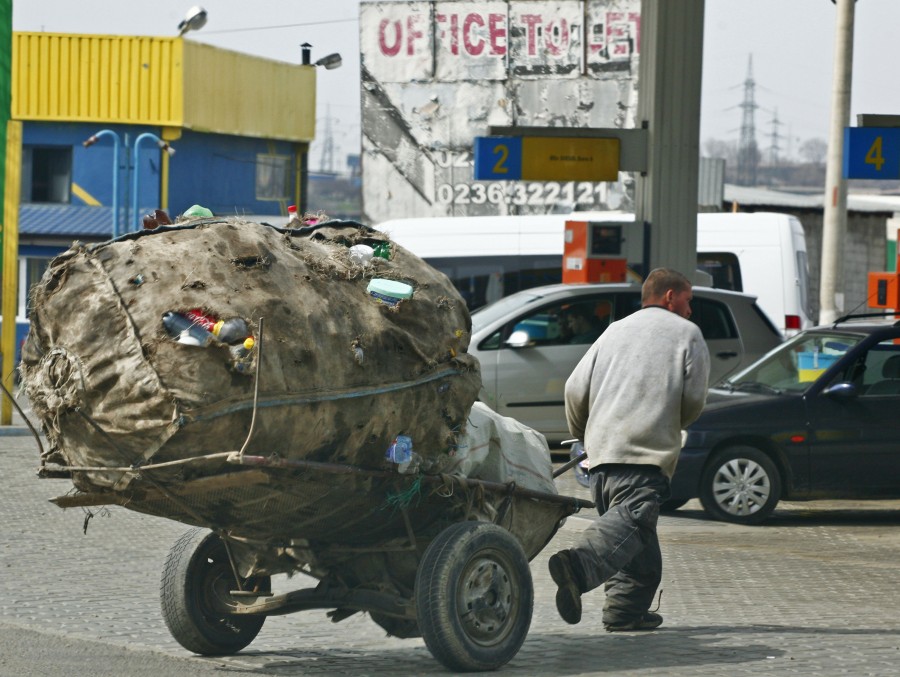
{"x":696,"y":379}
{"x":578,"y":394}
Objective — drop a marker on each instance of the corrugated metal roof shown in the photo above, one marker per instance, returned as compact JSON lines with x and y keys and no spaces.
{"x":856,"y":202}
{"x":74,"y":221}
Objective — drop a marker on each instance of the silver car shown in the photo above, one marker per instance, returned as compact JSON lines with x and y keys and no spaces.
{"x":529,"y":342}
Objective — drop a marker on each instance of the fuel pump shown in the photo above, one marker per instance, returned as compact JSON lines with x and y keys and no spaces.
{"x":593,"y":252}
{"x":884,"y":288}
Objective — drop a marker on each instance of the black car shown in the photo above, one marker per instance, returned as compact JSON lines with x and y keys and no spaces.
{"x":818,"y":417}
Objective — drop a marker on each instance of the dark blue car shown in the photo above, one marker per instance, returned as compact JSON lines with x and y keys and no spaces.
{"x":816,"y":418}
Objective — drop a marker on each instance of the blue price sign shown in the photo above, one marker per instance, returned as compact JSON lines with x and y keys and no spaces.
{"x":498,"y":158}
{"x":872,"y":153}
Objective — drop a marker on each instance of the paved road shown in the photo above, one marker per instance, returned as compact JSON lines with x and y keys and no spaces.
{"x":813,"y":593}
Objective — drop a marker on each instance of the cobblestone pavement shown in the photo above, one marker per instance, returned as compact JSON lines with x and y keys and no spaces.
{"x":812,"y":593}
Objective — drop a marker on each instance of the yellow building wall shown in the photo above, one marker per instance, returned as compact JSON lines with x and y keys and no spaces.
{"x":225,"y":90}
{"x":166,"y":82}
{"x":97,"y":78}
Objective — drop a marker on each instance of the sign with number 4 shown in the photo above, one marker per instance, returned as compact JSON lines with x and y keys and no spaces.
{"x":872,"y":153}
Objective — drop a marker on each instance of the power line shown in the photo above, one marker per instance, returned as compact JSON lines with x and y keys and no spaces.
{"x":266,"y":28}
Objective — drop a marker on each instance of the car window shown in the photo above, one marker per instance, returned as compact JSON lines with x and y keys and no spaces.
{"x":877,"y":372}
{"x":724,"y":269}
{"x":575,"y":321}
{"x":713,"y":318}
{"x":797,"y":363}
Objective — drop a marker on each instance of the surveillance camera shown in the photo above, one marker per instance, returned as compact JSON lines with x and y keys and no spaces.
{"x":194,"y":20}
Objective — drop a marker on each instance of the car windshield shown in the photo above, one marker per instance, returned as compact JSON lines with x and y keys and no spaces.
{"x":794,"y":365}
{"x":493,"y":311}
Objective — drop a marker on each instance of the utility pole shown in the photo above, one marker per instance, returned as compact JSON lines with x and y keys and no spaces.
{"x":834,"y":224}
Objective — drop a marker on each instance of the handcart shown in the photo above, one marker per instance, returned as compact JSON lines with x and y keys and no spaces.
{"x":441,"y":557}
{"x":145,"y":402}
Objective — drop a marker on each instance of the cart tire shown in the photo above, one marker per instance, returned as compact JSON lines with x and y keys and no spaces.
{"x":474,"y":596}
{"x":196,"y":575}
{"x":402,"y":628}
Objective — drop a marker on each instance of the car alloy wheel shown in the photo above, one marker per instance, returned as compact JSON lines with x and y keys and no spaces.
{"x":741,"y":485}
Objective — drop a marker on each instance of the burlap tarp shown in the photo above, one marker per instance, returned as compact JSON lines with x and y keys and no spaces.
{"x":341,"y":374}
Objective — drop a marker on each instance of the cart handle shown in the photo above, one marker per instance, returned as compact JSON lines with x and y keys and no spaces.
{"x":570,"y":464}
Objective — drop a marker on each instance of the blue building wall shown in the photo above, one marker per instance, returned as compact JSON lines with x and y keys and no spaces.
{"x":215,"y":170}
{"x":219,"y":172}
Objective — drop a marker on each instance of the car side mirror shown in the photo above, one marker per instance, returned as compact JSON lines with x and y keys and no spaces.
{"x":518,"y":339}
{"x":841,"y":390}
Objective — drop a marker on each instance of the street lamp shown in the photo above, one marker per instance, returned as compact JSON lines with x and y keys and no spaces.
{"x":134,"y":190}
{"x":330,"y":62}
{"x":115,"y":177}
{"x":194,"y":20}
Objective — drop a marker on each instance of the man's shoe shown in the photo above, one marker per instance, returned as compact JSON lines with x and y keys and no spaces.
{"x":568,"y":596}
{"x":648,"y":621}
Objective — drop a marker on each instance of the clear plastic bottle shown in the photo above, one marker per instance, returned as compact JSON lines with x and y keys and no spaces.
{"x":233,"y":330}
{"x":183,"y":330}
{"x":401,"y":452}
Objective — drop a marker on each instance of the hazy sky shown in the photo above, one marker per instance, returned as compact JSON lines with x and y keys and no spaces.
{"x":791,"y":42}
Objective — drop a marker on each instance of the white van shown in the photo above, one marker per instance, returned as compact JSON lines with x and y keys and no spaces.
{"x":488,"y":257}
{"x":763,"y":254}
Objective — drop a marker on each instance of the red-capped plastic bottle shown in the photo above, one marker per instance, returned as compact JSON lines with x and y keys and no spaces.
{"x":198,"y":317}
{"x":185,"y":331}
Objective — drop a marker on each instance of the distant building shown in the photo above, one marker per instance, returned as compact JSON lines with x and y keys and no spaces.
{"x":241,"y":127}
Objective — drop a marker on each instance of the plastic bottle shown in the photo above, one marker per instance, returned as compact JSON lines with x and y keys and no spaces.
{"x":184,"y":331}
{"x":197,"y":211}
{"x":197,"y":316}
{"x":383,"y":250}
{"x":241,"y":350}
{"x":400,"y":450}
{"x":233,"y":330}
{"x":292,"y":216}
{"x":361,"y":254}
{"x":149,"y":222}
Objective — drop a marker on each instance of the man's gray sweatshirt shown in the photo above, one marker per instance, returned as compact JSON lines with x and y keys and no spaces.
{"x":637,"y":387}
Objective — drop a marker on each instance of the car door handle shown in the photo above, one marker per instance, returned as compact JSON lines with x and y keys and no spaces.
{"x":727,"y":354}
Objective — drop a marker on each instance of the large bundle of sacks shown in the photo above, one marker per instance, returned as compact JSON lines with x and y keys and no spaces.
{"x":146,"y":349}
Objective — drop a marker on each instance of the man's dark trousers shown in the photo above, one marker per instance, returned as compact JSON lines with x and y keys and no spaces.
{"x":621,"y":548}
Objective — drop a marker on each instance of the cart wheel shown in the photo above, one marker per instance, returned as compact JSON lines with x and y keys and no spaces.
{"x":196,"y":582}
{"x":474,"y":596}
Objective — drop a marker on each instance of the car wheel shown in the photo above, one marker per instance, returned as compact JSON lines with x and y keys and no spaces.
{"x":740,"y":485}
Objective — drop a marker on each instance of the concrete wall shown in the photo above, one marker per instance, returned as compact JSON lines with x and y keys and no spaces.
{"x":864,"y":251}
